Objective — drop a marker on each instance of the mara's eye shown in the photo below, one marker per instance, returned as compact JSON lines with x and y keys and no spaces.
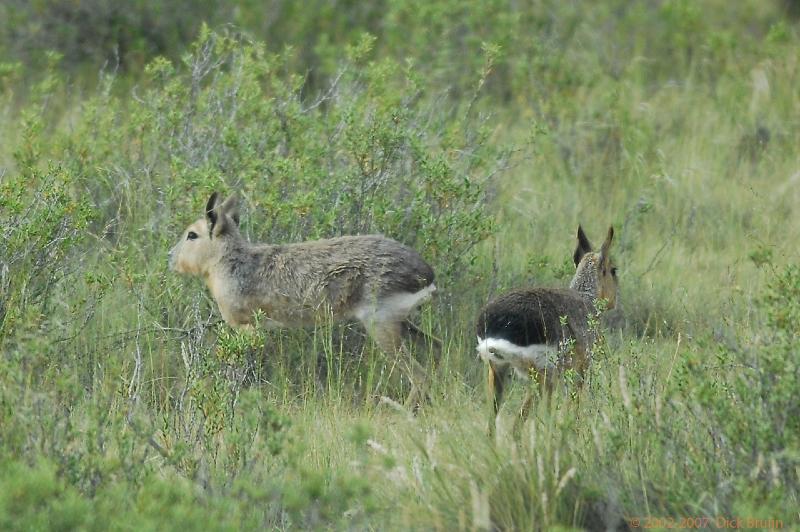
{"x":614,"y":271}
{"x":191,"y":236}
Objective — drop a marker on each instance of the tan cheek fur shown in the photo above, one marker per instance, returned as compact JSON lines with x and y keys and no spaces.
{"x":197,"y":257}
{"x":609,"y":294}
{"x":608,"y":288}
{"x":193,"y":255}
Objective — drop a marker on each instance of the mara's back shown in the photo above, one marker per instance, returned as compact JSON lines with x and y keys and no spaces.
{"x":292,"y":282}
{"x":382,"y":264}
{"x":533,"y":316}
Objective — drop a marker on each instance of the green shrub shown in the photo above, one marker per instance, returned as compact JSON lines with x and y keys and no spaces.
{"x":544,"y":55}
{"x":745,"y":401}
{"x":34,"y":498}
{"x":764,"y":388}
{"x":366,"y":155}
{"x":98,"y":31}
{"x":43,"y":220}
{"x":42,"y":223}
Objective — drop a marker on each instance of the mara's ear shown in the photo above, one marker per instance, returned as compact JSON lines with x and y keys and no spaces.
{"x":583,"y":247}
{"x":211,"y":213}
{"x":231,"y":207}
{"x":605,"y":248}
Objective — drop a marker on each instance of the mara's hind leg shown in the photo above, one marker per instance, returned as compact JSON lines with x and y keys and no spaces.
{"x":423,"y":340}
{"x":419,"y":383}
{"x":524,"y":411}
{"x":582,"y":362}
{"x":389,"y":337}
{"x":496,"y":380}
{"x":544,"y":382}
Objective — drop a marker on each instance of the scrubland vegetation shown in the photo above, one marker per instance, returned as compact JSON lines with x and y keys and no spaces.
{"x":481,"y":133}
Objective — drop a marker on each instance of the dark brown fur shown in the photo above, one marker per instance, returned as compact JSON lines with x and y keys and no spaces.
{"x":533,"y":316}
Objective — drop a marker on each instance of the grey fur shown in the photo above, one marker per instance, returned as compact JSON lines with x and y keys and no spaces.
{"x":294,"y":283}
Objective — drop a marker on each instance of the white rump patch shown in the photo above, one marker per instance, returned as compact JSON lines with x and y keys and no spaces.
{"x":394,"y":307}
{"x":502,"y":352}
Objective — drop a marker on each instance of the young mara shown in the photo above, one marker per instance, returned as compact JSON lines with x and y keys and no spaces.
{"x":543,"y":331}
{"x":372,"y":279}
